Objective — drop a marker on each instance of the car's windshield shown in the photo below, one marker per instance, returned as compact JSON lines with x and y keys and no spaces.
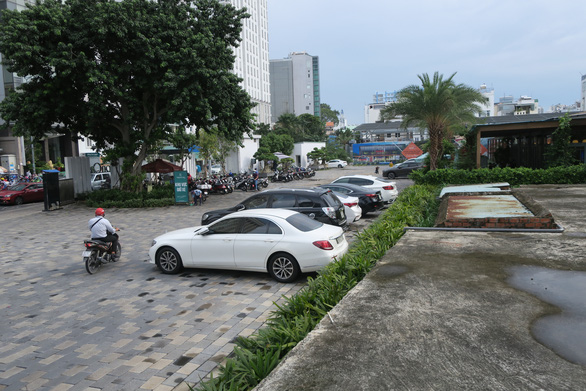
{"x":18,"y":187}
{"x":303,"y":223}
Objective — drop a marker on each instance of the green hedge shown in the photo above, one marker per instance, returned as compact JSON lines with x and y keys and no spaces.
{"x":255,"y":357}
{"x":115,"y":198}
{"x":514,"y":176}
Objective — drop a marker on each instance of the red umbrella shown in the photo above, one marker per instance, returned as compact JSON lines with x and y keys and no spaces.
{"x":161,"y":166}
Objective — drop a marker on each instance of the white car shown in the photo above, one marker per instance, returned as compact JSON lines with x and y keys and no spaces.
{"x":215,"y":169}
{"x":281,"y":242}
{"x":337,"y":163}
{"x":387,"y":188}
{"x":351,"y":207}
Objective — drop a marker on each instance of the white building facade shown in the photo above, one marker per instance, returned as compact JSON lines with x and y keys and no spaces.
{"x":487,"y":109}
{"x":252,"y":57}
{"x":294,"y":85}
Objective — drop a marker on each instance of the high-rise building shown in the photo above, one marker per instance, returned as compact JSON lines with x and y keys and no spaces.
{"x":295,"y":85}
{"x":583,"y":100}
{"x":11,"y":147}
{"x":252,"y":56}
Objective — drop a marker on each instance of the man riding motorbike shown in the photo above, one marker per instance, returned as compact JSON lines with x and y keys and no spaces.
{"x":101,"y":229}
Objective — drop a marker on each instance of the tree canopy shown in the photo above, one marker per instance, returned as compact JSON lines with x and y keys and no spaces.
{"x":120,"y":72}
{"x":436,"y":105}
{"x":328,"y":114}
{"x":305,"y":127}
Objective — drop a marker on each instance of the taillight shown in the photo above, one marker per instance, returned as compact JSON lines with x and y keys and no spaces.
{"x":351,"y":204}
{"x":323,"y":244}
{"x":389,"y":187}
{"x":372,"y":195}
{"x":329,"y":211}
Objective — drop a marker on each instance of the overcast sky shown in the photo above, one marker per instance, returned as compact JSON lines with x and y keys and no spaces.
{"x":535,"y":48}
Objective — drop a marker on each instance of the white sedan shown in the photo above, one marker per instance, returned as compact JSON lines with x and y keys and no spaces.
{"x":387,"y":188}
{"x":337,"y":163}
{"x":351,"y":207}
{"x":278,"y":241}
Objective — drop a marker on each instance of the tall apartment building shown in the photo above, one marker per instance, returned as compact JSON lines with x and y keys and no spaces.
{"x":252,"y":56}
{"x":583,"y":99}
{"x":11,"y":148}
{"x":487,"y":109}
{"x":295,"y":85}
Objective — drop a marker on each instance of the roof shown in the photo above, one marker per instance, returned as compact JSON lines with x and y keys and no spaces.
{"x":500,"y":126}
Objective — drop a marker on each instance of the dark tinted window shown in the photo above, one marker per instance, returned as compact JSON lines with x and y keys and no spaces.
{"x":360,"y":181}
{"x":340,"y":189}
{"x":259,"y":201}
{"x":331,"y":200}
{"x":308,"y":202}
{"x":228,"y":226}
{"x":283,"y":201}
{"x":303,"y":223}
{"x":259,"y":226}
{"x":343,"y":180}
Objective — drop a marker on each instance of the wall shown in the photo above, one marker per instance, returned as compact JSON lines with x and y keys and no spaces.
{"x":300,"y":151}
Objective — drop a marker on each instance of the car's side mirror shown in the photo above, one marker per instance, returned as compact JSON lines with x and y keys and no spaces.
{"x":204,"y":231}
{"x":240,"y":207}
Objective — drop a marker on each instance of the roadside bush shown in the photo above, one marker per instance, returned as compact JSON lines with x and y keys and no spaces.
{"x":254,"y":357}
{"x":159,"y":196}
{"x":514,"y":176}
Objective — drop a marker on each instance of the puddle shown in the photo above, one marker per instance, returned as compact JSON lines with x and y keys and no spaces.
{"x":564,"y":333}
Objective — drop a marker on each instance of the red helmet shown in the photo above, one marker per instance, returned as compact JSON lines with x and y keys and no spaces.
{"x":100,"y":212}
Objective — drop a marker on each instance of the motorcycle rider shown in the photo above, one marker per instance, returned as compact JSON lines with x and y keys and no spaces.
{"x":255,"y":178}
{"x":101,"y":229}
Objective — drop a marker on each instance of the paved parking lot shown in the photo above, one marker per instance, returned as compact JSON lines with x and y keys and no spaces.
{"x":127,"y":327}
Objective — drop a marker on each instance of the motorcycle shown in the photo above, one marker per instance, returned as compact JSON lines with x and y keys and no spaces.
{"x":98,"y":253}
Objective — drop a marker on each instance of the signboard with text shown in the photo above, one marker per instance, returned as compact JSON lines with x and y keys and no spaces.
{"x":181,"y":187}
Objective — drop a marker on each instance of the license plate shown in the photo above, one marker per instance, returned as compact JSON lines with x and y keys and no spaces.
{"x":340,"y":239}
{"x":86,"y":253}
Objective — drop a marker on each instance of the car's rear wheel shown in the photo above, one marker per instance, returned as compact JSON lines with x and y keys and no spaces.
{"x":18,"y":201}
{"x":340,"y":166}
{"x":391,"y":175}
{"x":169,"y":261}
{"x":283,"y":267}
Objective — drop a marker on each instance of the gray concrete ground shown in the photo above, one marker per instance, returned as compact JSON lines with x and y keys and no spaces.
{"x":128,"y":327}
{"x":444,"y":311}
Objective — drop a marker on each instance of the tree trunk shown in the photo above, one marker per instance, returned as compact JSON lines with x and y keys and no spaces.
{"x":435,"y":146}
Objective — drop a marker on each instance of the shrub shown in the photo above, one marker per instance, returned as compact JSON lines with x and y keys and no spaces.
{"x":514,"y":176}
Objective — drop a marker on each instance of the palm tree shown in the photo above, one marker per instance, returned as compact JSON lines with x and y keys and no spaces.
{"x":437,"y":104}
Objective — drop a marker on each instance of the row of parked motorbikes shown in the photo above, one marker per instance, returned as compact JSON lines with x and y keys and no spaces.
{"x":224,"y":184}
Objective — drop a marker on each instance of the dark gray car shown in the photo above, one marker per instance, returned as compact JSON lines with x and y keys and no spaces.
{"x":402,"y":169}
{"x":319,"y":204}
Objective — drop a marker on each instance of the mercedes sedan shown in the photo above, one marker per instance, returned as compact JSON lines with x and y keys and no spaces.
{"x":280,"y":242}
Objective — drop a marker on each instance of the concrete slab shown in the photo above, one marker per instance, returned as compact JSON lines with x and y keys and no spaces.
{"x":438,"y":312}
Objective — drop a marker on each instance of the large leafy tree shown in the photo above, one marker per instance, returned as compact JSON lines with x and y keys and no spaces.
{"x":119,"y":72}
{"x":437,"y":104}
{"x":328,"y":114}
{"x":305,"y":127}
{"x":559,"y":152}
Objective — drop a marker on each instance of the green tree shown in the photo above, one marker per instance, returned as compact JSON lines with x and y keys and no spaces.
{"x":208,"y":148}
{"x":328,"y":114}
{"x":559,"y":152}
{"x":437,"y":105}
{"x":264,"y":154}
{"x":277,"y":143}
{"x":224,"y":148}
{"x":344,"y":136}
{"x":312,"y":127}
{"x":182,"y":140}
{"x":119,"y":72}
{"x":263,"y":129}
{"x":320,"y":155}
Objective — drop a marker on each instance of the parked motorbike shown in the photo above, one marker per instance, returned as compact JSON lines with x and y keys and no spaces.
{"x":98,"y":253}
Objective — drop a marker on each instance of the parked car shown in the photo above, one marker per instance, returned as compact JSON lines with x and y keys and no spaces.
{"x":337,"y":163}
{"x":387,"y":189}
{"x":320,"y":204}
{"x":369,"y":200}
{"x":402,"y":169}
{"x":351,"y":207}
{"x":21,"y":193}
{"x":216,"y":169}
{"x":281,"y":242}
{"x":101,"y":180}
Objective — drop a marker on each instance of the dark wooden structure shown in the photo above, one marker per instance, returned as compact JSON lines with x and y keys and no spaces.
{"x":521,"y":141}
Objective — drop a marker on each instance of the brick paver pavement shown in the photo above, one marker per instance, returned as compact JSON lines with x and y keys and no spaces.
{"x":127,"y":327}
